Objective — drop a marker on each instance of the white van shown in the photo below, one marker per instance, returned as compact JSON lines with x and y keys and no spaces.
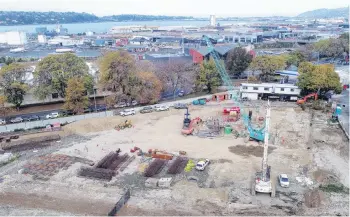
{"x":127,"y":112}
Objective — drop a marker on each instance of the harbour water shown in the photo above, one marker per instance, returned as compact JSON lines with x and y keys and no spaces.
{"x":103,"y":27}
{"x":43,"y":53}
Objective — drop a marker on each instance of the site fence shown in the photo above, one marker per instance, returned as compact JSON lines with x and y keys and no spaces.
{"x":120,"y":203}
{"x":70,"y":119}
{"x":44,"y":123}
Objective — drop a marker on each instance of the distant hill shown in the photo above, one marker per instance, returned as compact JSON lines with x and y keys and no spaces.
{"x":326,"y":13}
{"x":9,"y":18}
{"x":137,"y":17}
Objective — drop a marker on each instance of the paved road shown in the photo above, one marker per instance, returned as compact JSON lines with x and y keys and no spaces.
{"x":343,"y":99}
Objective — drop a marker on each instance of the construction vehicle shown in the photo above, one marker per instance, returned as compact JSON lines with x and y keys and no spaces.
{"x":187,"y":119}
{"x":188,"y":129}
{"x":303,"y":100}
{"x":123,"y":125}
{"x":336,"y":113}
{"x":256,"y":134}
{"x":262,"y":181}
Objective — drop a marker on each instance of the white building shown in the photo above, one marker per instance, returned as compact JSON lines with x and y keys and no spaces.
{"x":269,"y":90}
{"x":13,"y":38}
{"x":42,"y":39}
{"x":65,"y":41}
{"x":212,"y":20}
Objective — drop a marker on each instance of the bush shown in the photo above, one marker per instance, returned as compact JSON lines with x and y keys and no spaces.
{"x":19,"y":130}
{"x":317,"y":105}
{"x":334,"y":188}
{"x":37,"y":128}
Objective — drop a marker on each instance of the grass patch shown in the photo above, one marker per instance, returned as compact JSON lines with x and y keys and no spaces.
{"x":15,"y":157}
{"x":334,"y":188}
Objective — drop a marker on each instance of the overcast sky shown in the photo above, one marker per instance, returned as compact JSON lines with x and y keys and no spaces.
{"x":175,"y":7}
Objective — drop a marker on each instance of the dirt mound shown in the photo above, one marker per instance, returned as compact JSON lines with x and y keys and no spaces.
{"x":95,"y":125}
{"x":246,"y":151}
{"x":313,"y":198}
{"x":325,"y":177}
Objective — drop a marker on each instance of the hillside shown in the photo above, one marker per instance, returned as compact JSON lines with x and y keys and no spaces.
{"x":9,"y":18}
{"x":136,"y":17}
{"x":326,"y":13}
{"x":23,"y":18}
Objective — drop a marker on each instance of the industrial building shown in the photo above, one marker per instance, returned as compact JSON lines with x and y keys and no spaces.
{"x":13,"y":38}
{"x":283,"y":92}
{"x":212,"y":20}
{"x":65,"y":41}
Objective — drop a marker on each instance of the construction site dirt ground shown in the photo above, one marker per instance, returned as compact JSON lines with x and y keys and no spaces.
{"x":303,"y":145}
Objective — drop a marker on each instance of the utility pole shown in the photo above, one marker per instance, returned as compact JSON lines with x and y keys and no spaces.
{"x":266,"y":142}
{"x":95,"y":99}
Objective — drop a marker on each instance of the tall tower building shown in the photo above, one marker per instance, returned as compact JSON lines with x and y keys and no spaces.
{"x":212,"y":20}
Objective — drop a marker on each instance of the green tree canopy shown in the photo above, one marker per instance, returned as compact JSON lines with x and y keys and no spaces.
{"x":238,"y":60}
{"x":209,"y":76}
{"x":115,"y":70}
{"x":54,"y":71}
{"x":12,"y":83}
{"x":333,"y":47}
{"x":76,"y":98}
{"x":295,"y":58}
{"x":4,"y":110}
{"x":267,"y":65}
{"x":313,"y":78}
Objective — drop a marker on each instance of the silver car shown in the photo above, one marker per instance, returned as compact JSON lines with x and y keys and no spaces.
{"x":16,"y":120}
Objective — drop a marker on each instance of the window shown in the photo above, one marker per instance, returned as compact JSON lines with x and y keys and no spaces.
{"x":266,"y":88}
{"x":255,"y":88}
{"x":291,"y":90}
{"x":54,"y":95}
{"x":245,"y":88}
{"x":282,"y":89}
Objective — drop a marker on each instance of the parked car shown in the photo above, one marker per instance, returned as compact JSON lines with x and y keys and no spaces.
{"x":2,"y":122}
{"x":31,"y":118}
{"x":180,"y":106}
{"x":162,"y":108}
{"x":134,"y":102}
{"x":127,"y":112}
{"x":101,"y":108}
{"x":16,"y":120}
{"x":181,"y":93}
{"x":52,"y":115}
{"x":146,"y":109}
{"x":67,"y":113}
{"x":283,"y":180}
{"x":121,"y":105}
{"x":88,"y":110}
{"x":202,"y":164}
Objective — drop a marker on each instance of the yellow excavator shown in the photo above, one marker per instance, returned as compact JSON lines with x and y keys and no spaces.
{"x":123,"y":125}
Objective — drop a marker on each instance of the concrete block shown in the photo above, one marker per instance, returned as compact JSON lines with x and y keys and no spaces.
{"x":151,"y":182}
{"x":165,"y":182}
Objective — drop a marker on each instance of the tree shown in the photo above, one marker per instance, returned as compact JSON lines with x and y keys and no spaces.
{"x":333,"y":47}
{"x":318,"y":78}
{"x":117,"y":74}
{"x":12,"y":83}
{"x":295,"y":58}
{"x":238,"y":60}
{"x":267,"y":65}
{"x":54,"y":71}
{"x":208,"y":75}
{"x":176,"y":75}
{"x":4,"y":110}
{"x":76,"y":98}
{"x":150,"y":87}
